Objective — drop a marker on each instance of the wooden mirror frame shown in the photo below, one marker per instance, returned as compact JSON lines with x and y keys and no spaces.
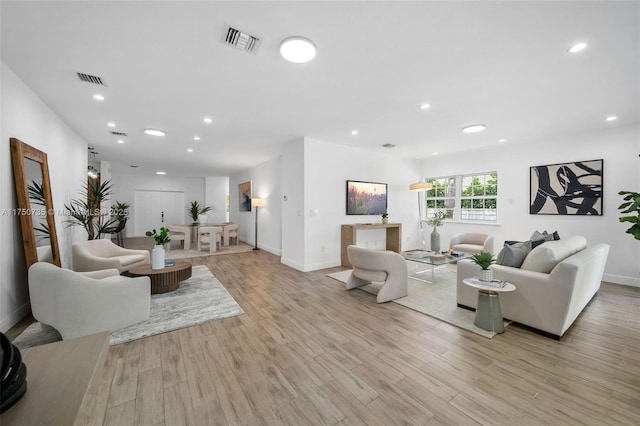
{"x":19,"y":152}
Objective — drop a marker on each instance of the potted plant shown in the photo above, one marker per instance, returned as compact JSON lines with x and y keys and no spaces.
{"x":484,"y":260}
{"x":631,"y":205}
{"x":157,"y":254}
{"x":385,"y":217}
{"x":198,"y":212}
{"x":436,"y":221}
{"x":86,"y":212}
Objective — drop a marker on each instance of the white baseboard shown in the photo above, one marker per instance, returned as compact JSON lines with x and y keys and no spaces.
{"x":14,"y":317}
{"x":619,"y":279}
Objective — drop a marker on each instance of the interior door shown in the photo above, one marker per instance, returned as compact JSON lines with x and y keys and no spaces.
{"x":155,"y":209}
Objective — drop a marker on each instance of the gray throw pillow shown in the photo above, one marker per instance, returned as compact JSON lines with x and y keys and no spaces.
{"x":513,"y":255}
{"x":544,"y":236}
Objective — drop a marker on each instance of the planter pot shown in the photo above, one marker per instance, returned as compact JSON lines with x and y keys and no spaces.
{"x":485,"y":275}
{"x":385,"y":220}
{"x":435,"y":241}
{"x":203,"y":218}
{"x":157,"y":257}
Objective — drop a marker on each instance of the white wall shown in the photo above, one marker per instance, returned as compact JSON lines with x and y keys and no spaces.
{"x":619,"y":147}
{"x":216,"y":190}
{"x":265,"y":180}
{"x":126,"y":184}
{"x":26,"y":117}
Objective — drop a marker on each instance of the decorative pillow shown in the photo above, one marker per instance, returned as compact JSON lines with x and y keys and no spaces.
{"x":546,"y":256}
{"x":545,"y":236}
{"x":534,"y":244}
{"x":513,"y":254}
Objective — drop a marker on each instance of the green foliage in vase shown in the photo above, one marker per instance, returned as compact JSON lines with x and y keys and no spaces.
{"x":483,"y":259}
{"x":195,"y":209}
{"x":86,"y":213}
{"x":631,"y":205}
{"x":161,"y":238}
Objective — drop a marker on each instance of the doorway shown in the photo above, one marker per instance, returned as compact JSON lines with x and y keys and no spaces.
{"x":155,"y":209}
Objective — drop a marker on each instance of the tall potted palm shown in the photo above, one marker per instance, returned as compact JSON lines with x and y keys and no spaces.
{"x":198,"y":213}
{"x":86,"y":213}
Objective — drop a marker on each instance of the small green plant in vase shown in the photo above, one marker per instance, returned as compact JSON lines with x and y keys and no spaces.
{"x":484,"y":260}
{"x":196,"y":210}
{"x":385,"y":217}
{"x":161,"y":238}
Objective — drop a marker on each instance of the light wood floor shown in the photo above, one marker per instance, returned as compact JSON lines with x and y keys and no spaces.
{"x":308,"y":352}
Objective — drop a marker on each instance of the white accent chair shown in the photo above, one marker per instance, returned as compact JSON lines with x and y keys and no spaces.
{"x":78,"y":304}
{"x":472,"y":242}
{"x":386,"y":270}
{"x":211,"y":235}
{"x":180,"y":233}
{"x":230,"y":233}
{"x":94,"y":255}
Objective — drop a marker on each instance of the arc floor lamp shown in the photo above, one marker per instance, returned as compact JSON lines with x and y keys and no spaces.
{"x":257,"y":203}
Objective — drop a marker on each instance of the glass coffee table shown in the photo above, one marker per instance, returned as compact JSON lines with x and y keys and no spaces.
{"x":432,"y":259}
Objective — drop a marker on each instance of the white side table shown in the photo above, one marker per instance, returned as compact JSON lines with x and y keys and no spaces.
{"x":488,"y":311}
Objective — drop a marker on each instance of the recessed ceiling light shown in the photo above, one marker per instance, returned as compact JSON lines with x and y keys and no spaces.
{"x":612,"y":118}
{"x":155,"y":132}
{"x":161,"y":173}
{"x":502,"y":140}
{"x":577,"y":47}
{"x":297,"y":49}
{"x":189,"y":150}
{"x":196,"y":138}
{"x":474,"y":128}
{"x":208,"y":120}
{"x":111,"y":124}
{"x":354,"y":132}
{"x":120,"y":141}
{"x":435,"y":153}
{"x":98,"y":97}
{"x":425,"y":106}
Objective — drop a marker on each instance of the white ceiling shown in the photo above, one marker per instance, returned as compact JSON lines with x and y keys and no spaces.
{"x":501,"y":64}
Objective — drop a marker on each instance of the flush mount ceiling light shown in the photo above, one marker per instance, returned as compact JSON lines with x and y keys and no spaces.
{"x":154,"y":132}
{"x":425,"y":106}
{"x":111,"y":124}
{"x":577,"y":47}
{"x":612,"y":118}
{"x":161,"y":173}
{"x":189,"y":150}
{"x":474,"y":128}
{"x":120,"y":141}
{"x":196,"y":138}
{"x":354,"y":132}
{"x":208,"y":120}
{"x":298,"y":49}
{"x":98,"y":97}
{"x":502,"y":140}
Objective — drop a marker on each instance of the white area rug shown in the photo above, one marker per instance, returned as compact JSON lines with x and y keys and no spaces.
{"x":199,"y":299}
{"x":437,"y":299}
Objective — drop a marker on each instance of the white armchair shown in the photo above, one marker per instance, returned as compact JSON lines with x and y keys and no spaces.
{"x":94,"y":255}
{"x":77,"y":304}
{"x":230,"y":233}
{"x":211,"y":235}
{"x":472,"y":243}
{"x":374,"y":266}
{"x":180,"y":233}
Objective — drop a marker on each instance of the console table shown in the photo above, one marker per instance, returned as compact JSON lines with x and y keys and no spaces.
{"x":394,"y":237}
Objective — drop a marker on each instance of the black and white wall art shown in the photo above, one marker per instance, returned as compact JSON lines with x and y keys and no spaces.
{"x":567,"y":188}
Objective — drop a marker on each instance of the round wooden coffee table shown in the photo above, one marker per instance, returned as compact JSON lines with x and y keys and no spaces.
{"x":166,"y":279}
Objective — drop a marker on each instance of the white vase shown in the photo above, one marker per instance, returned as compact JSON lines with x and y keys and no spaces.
{"x":485,"y":275}
{"x":157,"y":257}
{"x":385,"y":220}
{"x":202,"y":219}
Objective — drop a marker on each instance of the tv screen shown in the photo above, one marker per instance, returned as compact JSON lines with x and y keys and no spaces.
{"x":366,"y":198}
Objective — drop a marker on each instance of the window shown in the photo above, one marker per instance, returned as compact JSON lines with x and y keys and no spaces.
{"x":471,"y":197}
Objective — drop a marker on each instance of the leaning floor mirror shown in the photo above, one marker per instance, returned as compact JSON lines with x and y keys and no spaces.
{"x":35,"y":205}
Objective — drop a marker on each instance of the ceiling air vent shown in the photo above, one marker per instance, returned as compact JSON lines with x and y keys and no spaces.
{"x":88,"y":78}
{"x":119,"y":133}
{"x":238,"y":39}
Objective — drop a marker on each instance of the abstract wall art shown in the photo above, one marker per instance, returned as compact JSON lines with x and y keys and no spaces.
{"x":567,"y":188}
{"x":244,"y":196}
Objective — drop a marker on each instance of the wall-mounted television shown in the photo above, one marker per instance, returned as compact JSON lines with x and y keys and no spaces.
{"x":366,"y":198}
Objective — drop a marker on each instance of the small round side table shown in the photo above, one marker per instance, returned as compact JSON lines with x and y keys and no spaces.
{"x":488,"y":311}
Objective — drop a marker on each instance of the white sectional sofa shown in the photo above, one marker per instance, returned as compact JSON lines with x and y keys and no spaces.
{"x":554,"y":284}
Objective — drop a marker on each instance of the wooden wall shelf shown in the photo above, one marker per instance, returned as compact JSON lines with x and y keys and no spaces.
{"x":349,"y":231}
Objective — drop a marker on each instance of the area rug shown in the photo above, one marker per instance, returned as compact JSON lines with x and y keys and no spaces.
{"x":437,"y":299}
{"x":201,"y":298}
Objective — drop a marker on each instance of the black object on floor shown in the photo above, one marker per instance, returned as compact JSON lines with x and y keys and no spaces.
{"x":13,"y":374}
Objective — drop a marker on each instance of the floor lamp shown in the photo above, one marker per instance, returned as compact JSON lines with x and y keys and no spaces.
{"x":257,"y":203}
{"x":420,"y":187}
